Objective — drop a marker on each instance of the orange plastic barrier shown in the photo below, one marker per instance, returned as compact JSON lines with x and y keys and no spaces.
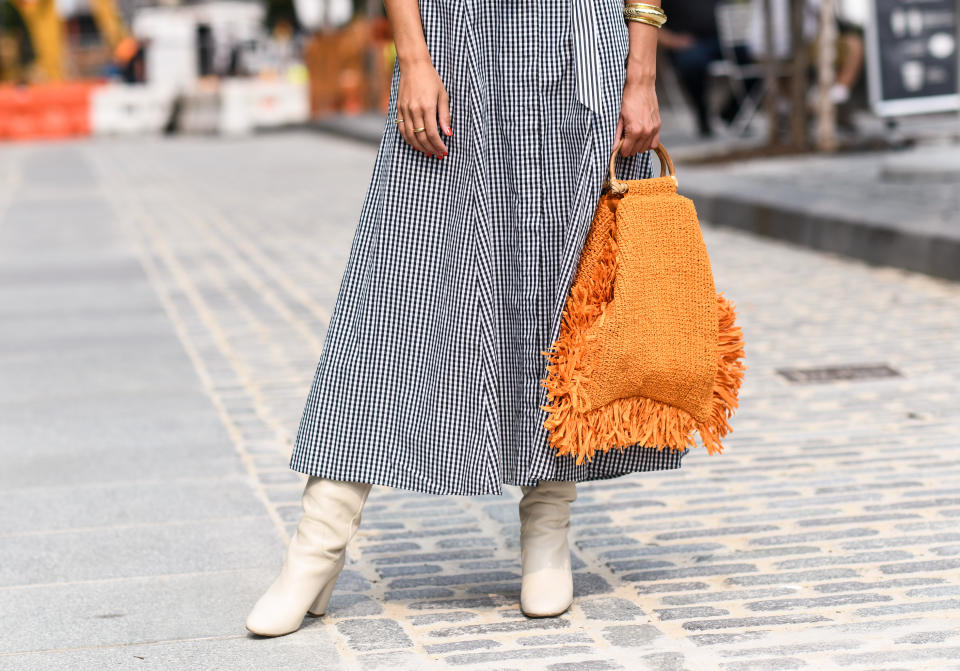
{"x":45,"y":111}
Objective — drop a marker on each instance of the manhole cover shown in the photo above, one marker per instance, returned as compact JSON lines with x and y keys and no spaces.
{"x":837,"y":373}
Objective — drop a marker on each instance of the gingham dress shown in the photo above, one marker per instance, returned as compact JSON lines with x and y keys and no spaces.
{"x":429,"y":379}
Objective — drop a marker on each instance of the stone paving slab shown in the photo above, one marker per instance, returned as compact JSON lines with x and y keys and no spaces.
{"x":127,"y":517}
{"x":309,"y":651}
{"x":71,"y":617}
{"x":827,"y":536}
{"x":124,"y":551}
{"x":125,"y":503}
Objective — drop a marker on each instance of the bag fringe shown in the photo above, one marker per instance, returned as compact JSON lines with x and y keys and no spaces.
{"x":631,"y":421}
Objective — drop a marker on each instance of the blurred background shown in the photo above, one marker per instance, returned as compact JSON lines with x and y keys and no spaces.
{"x":101,"y":67}
{"x":770,"y":75}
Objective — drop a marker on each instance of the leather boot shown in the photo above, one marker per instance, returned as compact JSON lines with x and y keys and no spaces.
{"x":331,"y":516}
{"x":547,"y":585}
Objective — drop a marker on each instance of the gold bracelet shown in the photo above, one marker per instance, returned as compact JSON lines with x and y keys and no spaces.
{"x":630,"y":12}
{"x":649,"y":22}
{"x":643,"y":5}
{"x":645,"y":13}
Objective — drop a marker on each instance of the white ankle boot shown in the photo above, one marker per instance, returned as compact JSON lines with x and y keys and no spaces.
{"x":547,"y":586}
{"x":331,"y":516}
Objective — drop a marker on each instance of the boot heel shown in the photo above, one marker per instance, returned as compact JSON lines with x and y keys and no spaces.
{"x":319,"y":606}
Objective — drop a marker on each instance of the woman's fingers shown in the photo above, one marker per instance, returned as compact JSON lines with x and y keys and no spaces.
{"x":408,"y":112}
{"x":640,"y":119}
{"x":431,"y":136}
{"x":632,"y":137}
{"x":426,"y":140}
{"x":420,"y":136}
{"x":618,"y":134}
{"x":640,"y":138}
{"x":405,"y":125}
{"x":655,"y":140}
{"x":421,"y":100}
{"x":409,"y":123}
{"x":414,"y":120}
{"x":652,"y":136}
{"x":444,"y":113}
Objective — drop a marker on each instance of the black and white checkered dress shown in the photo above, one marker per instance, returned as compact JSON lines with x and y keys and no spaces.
{"x":430,"y":375}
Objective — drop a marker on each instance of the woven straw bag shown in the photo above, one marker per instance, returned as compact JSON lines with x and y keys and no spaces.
{"x":648,"y":352}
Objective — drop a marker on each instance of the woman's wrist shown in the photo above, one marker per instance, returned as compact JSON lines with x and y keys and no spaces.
{"x":649,"y":81}
{"x":641,"y":66}
{"x":641,"y":70}
{"x":641,"y":63}
{"x":414,"y":60}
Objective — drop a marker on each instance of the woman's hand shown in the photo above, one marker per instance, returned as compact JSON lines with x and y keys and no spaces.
{"x":639,"y":123}
{"x":421,"y":99}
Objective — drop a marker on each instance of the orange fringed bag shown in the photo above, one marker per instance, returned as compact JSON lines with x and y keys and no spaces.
{"x":648,"y":352}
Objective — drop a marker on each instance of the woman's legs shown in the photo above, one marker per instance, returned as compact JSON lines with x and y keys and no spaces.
{"x":547,"y":586}
{"x":331,"y":517}
{"x":692,"y":66}
{"x":851,"y":64}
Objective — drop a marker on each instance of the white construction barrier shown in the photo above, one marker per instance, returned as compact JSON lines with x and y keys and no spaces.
{"x":130,"y":109}
{"x":249,"y":104}
{"x":200,"y":111}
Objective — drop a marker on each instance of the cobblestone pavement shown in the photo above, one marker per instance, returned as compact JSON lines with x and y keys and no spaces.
{"x":826,"y":537}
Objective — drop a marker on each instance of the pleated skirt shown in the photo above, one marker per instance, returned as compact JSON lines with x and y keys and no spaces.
{"x":429,"y":379}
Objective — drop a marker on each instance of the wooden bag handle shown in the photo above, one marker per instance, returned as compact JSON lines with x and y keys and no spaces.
{"x":666,"y":167}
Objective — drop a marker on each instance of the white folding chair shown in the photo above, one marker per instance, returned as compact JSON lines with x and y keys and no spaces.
{"x":735,"y":27}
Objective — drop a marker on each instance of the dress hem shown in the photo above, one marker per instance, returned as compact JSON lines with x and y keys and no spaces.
{"x":381,"y":481}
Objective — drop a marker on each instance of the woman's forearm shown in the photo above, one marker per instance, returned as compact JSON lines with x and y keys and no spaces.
{"x":642,"y":58}
{"x":639,"y":123}
{"x":422,"y":104}
{"x":404,"y":16}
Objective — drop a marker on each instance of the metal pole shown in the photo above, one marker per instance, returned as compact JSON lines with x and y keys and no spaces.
{"x":826,"y":76}
{"x":956,"y":30}
{"x":798,"y":77}
{"x":772,"y":82}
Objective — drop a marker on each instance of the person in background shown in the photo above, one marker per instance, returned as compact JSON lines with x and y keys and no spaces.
{"x":851,"y":18}
{"x":691,"y":43}
{"x":128,"y":58}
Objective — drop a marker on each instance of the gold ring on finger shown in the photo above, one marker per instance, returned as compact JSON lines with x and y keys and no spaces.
{"x":398,"y":120}
{"x":419,"y":130}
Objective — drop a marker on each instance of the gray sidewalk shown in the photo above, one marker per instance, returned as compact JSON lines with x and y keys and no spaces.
{"x":163,"y":306}
{"x":126,"y":513}
{"x":894,"y":208}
